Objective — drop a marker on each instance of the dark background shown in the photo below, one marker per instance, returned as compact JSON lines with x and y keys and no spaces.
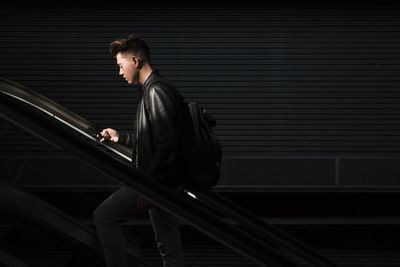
{"x":304,"y":96}
{"x":305,"y":93}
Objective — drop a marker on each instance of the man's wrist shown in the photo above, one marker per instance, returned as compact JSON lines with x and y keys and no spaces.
{"x":116,"y":137}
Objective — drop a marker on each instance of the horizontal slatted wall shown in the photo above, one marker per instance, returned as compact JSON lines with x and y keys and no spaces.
{"x":279,"y":81}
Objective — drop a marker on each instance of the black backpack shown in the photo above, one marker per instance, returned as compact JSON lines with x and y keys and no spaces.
{"x":204,"y":162}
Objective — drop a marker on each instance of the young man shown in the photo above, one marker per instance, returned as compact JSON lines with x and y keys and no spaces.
{"x":157,"y":151}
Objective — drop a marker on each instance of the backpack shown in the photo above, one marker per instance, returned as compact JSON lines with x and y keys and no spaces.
{"x":204,"y":162}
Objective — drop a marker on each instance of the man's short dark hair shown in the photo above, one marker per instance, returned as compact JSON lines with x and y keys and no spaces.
{"x":133,"y":44}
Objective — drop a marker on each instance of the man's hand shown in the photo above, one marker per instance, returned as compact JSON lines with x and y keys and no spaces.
{"x":109,"y":135}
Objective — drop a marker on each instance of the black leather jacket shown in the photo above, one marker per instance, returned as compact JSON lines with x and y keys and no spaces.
{"x":157,"y":139}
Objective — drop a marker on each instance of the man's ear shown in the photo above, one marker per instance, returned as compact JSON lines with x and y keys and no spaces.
{"x":136,"y":61}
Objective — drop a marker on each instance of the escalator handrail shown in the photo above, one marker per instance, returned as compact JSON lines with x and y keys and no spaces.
{"x":181,"y":206}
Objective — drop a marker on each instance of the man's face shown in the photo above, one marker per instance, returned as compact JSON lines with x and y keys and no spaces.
{"x":128,"y":67}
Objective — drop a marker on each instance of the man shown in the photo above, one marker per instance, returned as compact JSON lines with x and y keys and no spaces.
{"x":157,"y":152}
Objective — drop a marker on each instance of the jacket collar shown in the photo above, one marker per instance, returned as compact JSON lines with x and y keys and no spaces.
{"x":149,"y":79}
{"x":146,"y":84}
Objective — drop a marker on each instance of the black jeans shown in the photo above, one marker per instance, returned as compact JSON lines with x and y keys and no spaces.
{"x":125,"y":204}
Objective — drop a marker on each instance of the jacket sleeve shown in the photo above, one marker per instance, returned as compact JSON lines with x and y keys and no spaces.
{"x":126,"y":138}
{"x":163,"y":109}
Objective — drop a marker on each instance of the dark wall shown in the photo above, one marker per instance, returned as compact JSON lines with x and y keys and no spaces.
{"x":304,"y":97}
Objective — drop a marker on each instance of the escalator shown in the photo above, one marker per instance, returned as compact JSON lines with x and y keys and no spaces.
{"x":208,"y":212}
{"x":20,"y":205}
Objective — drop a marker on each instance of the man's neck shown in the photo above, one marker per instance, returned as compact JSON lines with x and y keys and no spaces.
{"x":145,"y":73}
